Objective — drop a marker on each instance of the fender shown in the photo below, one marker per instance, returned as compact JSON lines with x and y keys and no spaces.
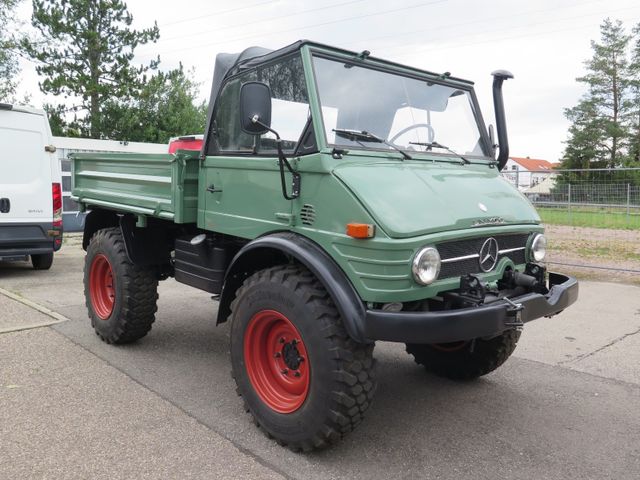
{"x":281,"y":247}
{"x":144,"y":246}
{"x":97,"y":220}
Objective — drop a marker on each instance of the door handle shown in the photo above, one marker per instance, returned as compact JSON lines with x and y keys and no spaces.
{"x":211,"y":188}
{"x":5,"y":205}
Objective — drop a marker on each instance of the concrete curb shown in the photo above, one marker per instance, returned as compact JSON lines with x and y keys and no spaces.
{"x":56,"y":317}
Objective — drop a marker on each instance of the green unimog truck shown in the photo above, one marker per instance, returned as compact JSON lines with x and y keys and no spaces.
{"x":339,"y":199}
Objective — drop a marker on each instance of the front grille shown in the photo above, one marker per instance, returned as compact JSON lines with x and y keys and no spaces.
{"x":471,"y":246}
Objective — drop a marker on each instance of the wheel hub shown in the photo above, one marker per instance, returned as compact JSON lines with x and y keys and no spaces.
{"x":291,"y":355}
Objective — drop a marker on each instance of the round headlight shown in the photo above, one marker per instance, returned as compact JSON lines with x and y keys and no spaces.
{"x":426,"y":265}
{"x":539,"y":247}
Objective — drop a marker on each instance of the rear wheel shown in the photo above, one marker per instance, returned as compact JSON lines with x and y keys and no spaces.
{"x":42,"y":261}
{"x":465,"y":360}
{"x":120,"y":296}
{"x":302,"y":378}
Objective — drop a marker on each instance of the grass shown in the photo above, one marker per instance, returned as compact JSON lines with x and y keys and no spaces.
{"x":611,"y":252}
{"x":595,"y":218}
{"x":594,"y":248}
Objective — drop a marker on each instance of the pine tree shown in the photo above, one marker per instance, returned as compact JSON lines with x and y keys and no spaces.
{"x":8,"y":56}
{"x":586,"y":137}
{"x":601,"y":116}
{"x":634,"y":114}
{"x":85,"y":53}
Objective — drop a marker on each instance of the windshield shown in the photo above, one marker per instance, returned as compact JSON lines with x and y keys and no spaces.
{"x":402,"y":110}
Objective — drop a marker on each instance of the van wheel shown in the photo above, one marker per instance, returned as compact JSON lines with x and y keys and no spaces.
{"x":303,"y":379}
{"x":42,"y":261}
{"x":120,"y":296}
{"x":465,"y":360}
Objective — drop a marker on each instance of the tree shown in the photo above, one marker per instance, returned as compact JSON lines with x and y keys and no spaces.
{"x":85,"y":53}
{"x":8,"y":57}
{"x":634,"y":114}
{"x":599,"y":120}
{"x":167,"y":106}
{"x":60,"y":125}
{"x":586,"y":137}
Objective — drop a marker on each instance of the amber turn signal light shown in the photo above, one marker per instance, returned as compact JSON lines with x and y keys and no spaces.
{"x":360,"y":230}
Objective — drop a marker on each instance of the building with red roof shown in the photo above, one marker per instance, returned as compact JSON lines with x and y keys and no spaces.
{"x":526,"y":172}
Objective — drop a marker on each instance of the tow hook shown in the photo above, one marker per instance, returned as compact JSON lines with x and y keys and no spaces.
{"x":515,"y":314}
{"x":473,"y":288}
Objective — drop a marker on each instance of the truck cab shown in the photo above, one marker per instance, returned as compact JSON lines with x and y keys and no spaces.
{"x":338,"y":200}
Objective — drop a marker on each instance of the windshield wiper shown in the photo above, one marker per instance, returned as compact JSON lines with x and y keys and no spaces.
{"x":364,"y":136}
{"x":431,"y":145}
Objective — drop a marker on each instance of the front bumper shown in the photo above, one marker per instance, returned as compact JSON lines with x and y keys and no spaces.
{"x":475,"y":322}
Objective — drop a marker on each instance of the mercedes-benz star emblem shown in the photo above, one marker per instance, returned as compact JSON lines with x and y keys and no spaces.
{"x":488,"y":254}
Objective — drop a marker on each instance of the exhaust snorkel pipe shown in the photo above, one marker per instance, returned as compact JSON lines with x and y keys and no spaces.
{"x":500,"y":76}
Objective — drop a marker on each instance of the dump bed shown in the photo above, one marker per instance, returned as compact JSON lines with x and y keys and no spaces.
{"x":158,"y":185}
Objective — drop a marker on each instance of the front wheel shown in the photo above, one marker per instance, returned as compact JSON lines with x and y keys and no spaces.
{"x":465,"y":360}
{"x":303,"y":379}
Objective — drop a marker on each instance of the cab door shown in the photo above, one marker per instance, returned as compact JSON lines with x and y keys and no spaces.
{"x":241,"y":189}
{"x":243,"y":196}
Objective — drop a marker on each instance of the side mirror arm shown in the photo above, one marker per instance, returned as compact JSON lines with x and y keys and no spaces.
{"x":282,"y":163}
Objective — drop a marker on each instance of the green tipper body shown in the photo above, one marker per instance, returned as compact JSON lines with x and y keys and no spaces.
{"x":412,"y":203}
{"x":162,"y":186}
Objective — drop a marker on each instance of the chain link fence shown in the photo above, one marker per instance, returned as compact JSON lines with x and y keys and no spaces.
{"x":592,"y":216}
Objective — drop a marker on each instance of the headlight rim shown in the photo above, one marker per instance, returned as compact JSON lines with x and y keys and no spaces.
{"x":534,"y":243}
{"x":415,"y":265}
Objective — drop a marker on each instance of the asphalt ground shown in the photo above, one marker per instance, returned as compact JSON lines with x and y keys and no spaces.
{"x":566,"y":405}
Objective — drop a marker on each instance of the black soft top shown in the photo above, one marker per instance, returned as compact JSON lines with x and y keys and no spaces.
{"x":228,"y":64}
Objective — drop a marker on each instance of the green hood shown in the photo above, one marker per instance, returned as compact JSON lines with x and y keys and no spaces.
{"x":415,"y":198}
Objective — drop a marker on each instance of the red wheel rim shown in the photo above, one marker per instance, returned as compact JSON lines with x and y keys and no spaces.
{"x":101,"y":286}
{"x":450,"y":347}
{"x":276,"y":361}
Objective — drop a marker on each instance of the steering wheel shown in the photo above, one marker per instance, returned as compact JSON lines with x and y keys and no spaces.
{"x":430,"y":136}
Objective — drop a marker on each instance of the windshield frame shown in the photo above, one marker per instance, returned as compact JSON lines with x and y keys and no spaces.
{"x":400,"y":70}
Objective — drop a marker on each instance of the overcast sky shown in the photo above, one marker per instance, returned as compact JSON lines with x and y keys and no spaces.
{"x":543,"y":43}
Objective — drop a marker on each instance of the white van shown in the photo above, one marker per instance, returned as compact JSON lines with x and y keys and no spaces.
{"x":30,"y":187}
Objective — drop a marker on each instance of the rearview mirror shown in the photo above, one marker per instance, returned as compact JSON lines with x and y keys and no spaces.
{"x":255,"y":108}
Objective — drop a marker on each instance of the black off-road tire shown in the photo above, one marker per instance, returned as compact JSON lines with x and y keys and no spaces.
{"x":42,"y":261}
{"x":342,"y":379}
{"x":467,"y":361}
{"x":135,"y":290}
